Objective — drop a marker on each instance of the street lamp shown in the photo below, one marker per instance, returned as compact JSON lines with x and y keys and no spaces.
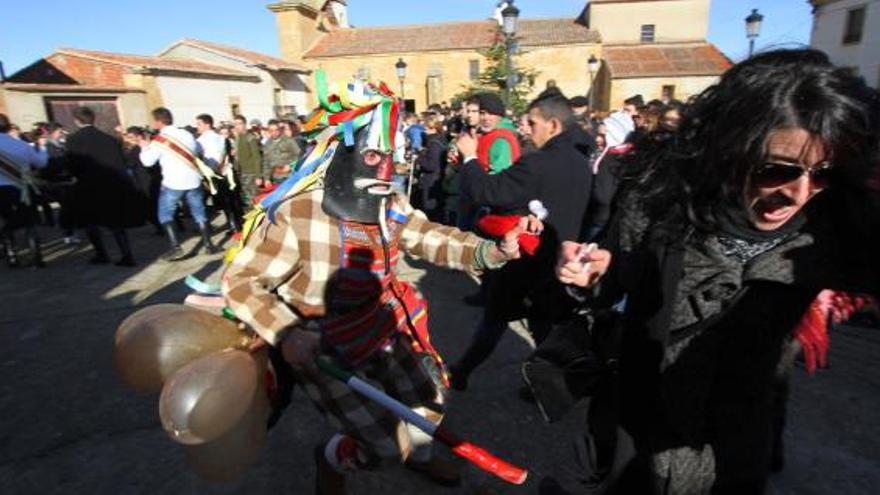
{"x":753,"y":29}
{"x":593,"y":65}
{"x":401,"y":74}
{"x":509,"y":16}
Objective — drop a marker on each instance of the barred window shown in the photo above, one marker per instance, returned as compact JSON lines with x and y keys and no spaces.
{"x":647,"y":33}
{"x":855,"y":25}
{"x":474,"y":66}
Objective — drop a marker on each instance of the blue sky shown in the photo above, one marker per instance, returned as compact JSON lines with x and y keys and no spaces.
{"x":33,"y":29}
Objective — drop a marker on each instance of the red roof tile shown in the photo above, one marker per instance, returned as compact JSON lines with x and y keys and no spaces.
{"x":703,"y":59}
{"x":447,"y":36}
{"x":243,"y":55}
{"x":68,"y":88}
{"x":154,"y":63}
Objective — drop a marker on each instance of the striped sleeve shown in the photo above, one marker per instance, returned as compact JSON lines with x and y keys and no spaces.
{"x":440,"y":244}
{"x":269,"y":259}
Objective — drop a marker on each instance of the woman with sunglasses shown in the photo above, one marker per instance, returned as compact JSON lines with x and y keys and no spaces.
{"x":720,"y":242}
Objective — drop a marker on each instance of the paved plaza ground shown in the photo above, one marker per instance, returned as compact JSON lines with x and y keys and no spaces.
{"x":67,"y":425}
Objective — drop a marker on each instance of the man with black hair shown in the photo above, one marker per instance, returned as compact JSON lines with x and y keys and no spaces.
{"x":17,"y":160}
{"x":104,"y":194}
{"x":216,"y":156}
{"x":177,"y":151}
{"x":558,"y":175}
{"x":280,"y":153}
{"x":632,"y":105}
{"x":249,"y":159}
{"x":580,"y":105}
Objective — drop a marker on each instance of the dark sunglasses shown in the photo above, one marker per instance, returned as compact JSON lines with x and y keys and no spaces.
{"x":775,"y":174}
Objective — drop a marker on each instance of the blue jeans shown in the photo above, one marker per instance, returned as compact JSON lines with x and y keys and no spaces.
{"x":169,"y":198}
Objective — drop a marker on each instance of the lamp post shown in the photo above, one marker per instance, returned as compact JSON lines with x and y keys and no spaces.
{"x":401,"y":74}
{"x":593,"y":65}
{"x":753,"y":29}
{"x":509,"y":16}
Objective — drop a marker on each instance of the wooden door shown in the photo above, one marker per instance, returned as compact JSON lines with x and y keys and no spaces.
{"x":60,"y":109}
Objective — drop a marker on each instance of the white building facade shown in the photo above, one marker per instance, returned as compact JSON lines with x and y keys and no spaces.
{"x":849,"y":32}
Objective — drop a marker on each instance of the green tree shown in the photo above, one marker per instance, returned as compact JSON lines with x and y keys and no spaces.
{"x":493,"y":78}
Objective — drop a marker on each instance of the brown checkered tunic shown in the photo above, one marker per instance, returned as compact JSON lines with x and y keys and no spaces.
{"x":280,"y":277}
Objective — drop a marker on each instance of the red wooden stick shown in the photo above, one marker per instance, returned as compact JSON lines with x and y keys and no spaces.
{"x":482,"y":458}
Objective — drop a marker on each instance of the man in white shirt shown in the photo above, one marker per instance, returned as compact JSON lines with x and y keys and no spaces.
{"x":17,"y":160}
{"x":177,"y":152}
{"x":214,"y":151}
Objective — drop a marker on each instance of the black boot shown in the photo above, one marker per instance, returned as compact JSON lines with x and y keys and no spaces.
{"x":234,"y":221}
{"x":175,"y":253}
{"x":9,"y":250}
{"x":94,"y":236}
{"x":34,"y":247}
{"x":209,"y":246}
{"x":127,"y":258}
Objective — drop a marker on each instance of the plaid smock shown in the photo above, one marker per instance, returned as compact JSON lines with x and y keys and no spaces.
{"x":280,"y":278}
{"x":315,"y":272}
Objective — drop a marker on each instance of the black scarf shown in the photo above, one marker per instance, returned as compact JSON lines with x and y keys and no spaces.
{"x":742,"y":241}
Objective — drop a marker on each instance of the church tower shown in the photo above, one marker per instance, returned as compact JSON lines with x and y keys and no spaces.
{"x":302,"y":22}
{"x":627,"y":22}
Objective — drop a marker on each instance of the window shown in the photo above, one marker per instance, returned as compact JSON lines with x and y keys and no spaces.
{"x":855,"y":24}
{"x":668,"y":93}
{"x":363,"y":74}
{"x":474,"y":69}
{"x":647,"y":33}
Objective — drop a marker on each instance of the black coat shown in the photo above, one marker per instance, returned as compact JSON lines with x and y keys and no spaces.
{"x":105,"y":192}
{"x":558,"y":175}
{"x":711,"y":383}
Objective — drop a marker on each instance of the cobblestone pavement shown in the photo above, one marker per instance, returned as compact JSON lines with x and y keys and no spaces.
{"x":69,"y":426}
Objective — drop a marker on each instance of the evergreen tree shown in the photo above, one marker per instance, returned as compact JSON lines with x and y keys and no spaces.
{"x":493,"y":79}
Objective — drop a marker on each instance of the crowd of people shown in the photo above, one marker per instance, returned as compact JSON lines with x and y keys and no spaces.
{"x":85,"y":179}
{"x":665,"y":230}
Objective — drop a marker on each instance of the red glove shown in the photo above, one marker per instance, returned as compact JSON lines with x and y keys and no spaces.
{"x":498,"y":225}
{"x":812,"y":334}
{"x":829,"y":307}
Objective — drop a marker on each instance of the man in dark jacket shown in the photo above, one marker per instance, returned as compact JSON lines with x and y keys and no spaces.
{"x":104,"y":195}
{"x":558,"y":175}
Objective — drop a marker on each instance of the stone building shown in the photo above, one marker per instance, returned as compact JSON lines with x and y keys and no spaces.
{"x":849,"y":32}
{"x":656,"y":48}
{"x":189,"y":77}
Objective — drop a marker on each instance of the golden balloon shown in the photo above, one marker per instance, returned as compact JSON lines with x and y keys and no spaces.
{"x":217,"y":407}
{"x":156,"y":341}
{"x":206,"y":398}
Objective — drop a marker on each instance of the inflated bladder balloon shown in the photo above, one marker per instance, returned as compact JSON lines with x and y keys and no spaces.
{"x":217,"y":407}
{"x":206,"y":398}
{"x":227,"y":457}
{"x":147,"y":312}
{"x":158,"y":340}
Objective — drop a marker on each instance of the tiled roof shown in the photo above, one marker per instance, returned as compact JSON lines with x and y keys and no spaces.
{"x":241,"y":54}
{"x":702,"y":59}
{"x":68,"y":88}
{"x":154,"y":63}
{"x":447,"y":36}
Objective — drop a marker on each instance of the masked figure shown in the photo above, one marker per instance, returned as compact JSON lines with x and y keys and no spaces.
{"x":315,"y":275}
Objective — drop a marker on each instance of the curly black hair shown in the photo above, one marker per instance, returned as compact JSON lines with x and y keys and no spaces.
{"x":724,"y":132}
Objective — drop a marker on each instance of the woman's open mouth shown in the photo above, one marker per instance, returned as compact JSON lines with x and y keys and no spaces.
{"x":774,"y":210}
